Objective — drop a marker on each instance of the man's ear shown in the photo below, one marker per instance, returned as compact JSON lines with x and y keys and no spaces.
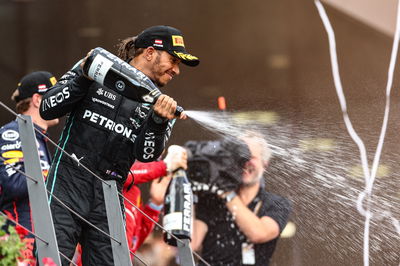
{"x":149,"y":53}
{"x":36,"y":99}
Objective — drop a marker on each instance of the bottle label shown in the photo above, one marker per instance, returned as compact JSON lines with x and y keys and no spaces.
{"x":173,"y":221}
{"x":99,"y":68}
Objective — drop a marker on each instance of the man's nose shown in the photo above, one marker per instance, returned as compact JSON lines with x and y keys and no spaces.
{"x":176,"y":69}
{"x":248,"y":164}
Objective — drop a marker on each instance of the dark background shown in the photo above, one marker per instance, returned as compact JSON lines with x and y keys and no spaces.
{"x":269,"y":56}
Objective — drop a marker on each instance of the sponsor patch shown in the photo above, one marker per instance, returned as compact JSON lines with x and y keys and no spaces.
{"x":142,"y":114}
{"x":188,"y":57}
{"x":10,"y":170}
{"x":42,"y":88}
{"x":11,"y":146}
{"x":120,"y":85}
{"x":149,"y":145}
{"x":106,"y":94}
{"x":12,"y":154}
{"x":177,"y":41}
{"x":12,"y":161}
{"x":10,"y":135}
{"x":104,"y":97}
{"x":95,"y":100}
{"x":107,"y":123}
{"x":135,"y":123}
{"x":158,"y":43}
{"x":69,"y":74}
{"x":53,"y":81}
{"x":56,"y":99}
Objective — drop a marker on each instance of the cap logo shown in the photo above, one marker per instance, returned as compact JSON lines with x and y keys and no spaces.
{"x":42,"y":88}
{"x":158,"y":43}
{"x":187,"y":57}
{"x":53,"y":81}
{"x":177,"y":41}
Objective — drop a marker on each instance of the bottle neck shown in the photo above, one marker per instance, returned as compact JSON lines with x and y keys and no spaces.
{"x":180,"y":172}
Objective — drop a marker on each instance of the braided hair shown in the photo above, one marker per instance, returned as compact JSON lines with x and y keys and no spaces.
{"x":127,"y":50}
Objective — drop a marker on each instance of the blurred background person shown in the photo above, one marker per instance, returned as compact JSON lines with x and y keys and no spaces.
{"x":239,"y":226}
{"x":14,"y":198}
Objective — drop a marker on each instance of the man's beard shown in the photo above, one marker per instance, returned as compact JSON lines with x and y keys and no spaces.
{"x":155,"y":69}
{"x":254,"y":181}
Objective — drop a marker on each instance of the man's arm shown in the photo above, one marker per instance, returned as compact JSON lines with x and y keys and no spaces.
{"x":145,"y":172}
{"x":63,"y":96}
{"x":13,"y":183}
{"x":145,"y":225}
{"x":200,"y":230}
{"x":200,"y":218}
{"x":152,"y":138}
{"x":153,"y":208}
{"x":256,"y":229}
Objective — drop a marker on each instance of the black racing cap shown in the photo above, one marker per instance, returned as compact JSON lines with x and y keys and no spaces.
{"x":168,"y":39}
{"x":35,"y":82}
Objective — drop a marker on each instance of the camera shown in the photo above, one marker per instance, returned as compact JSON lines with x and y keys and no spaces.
{"x":216,"y":164}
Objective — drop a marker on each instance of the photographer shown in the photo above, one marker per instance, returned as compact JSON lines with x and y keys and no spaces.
{"x":241,"y":222}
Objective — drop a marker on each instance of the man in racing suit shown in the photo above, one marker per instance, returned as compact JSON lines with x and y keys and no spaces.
{"x":14,"y":198}
{"x":107,"y":132}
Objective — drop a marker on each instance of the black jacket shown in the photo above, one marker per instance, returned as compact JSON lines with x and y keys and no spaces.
{"x":104,"y":130}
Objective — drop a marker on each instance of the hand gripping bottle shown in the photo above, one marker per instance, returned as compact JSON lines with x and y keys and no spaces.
{"x":178,"y":208}
{"x":116,"y":74}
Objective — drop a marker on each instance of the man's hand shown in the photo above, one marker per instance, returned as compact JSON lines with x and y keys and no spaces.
{"x":176,"y":158}
{"x":83,"y":63}
{"x":158,"y":188}
{"x":165,"y":107}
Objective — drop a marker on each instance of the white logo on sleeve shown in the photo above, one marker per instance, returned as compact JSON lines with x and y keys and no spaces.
{"x":56,"y":99}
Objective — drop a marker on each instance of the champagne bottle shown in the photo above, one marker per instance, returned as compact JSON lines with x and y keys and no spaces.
{"x":178,"y":208}
{"x":116,"y":74}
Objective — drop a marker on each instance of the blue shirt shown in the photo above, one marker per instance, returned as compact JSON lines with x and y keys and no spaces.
{"x":14,"y":198}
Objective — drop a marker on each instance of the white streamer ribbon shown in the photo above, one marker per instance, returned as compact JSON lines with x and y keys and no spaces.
{"x":369,"y":176}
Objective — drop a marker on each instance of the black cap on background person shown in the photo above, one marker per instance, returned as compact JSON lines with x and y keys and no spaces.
{"x":35,"y":82}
